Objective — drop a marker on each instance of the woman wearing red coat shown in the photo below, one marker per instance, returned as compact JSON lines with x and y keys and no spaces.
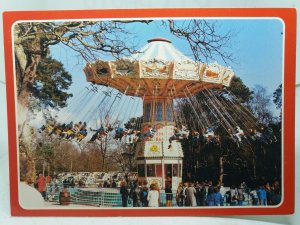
{"x":41,"y":183}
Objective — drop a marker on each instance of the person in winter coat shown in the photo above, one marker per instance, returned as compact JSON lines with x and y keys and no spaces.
{"x":169,"y":195}
{"x":233,"y":194}
{"x":262,"y":195}
{"x":254,"y":197}
{"x":41,"y":183}
{"x":180,"y":195}
{"x":185,"y":200}
{"x":124,"y":194}
{"x":136,"y":195}
{"x":144,"y":194}
{"x":200,"y":194}
{"x":191,"y":195}
{"x":228,"y":198}
{"x":210,"y":199}
{"x":153,"y":196}
{"x":240,"y":196}
{"x":218,"y":198}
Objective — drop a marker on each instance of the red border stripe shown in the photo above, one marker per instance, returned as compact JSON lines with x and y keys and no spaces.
{"x":288,"y":15}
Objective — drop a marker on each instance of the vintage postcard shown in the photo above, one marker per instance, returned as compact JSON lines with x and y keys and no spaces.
{"x":151,"y":112}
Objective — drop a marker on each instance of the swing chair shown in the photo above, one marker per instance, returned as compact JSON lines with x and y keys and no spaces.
{"x":124,"y":132}
{"x":111,"y":122}
{"x":226,"y":111}
{"x":105,"y":127}
{"x":77,"y":131}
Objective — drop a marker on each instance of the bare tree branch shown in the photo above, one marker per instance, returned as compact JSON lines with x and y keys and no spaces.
{"x":204,"y":39}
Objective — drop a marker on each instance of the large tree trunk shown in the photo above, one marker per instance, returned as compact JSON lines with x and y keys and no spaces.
{"x":27,"y":162}
{"x":221,"y":174}
{"x":23,"y":79}
{"x":254,"y":164}
{"x":103,"y":149}
{"x":27,"y":57}
{"x":25,"y":68}
{"x":26,"y":79}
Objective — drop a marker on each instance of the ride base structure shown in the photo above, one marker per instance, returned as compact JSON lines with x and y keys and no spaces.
{"x":159,"y":73}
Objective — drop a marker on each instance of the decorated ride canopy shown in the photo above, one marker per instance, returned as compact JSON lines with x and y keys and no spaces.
{"x":160,"y":66}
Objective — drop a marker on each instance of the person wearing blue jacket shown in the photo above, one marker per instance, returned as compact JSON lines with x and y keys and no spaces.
{"x":262,"y":195}
{"x":210,"y":199}
{"x":218,"y":199}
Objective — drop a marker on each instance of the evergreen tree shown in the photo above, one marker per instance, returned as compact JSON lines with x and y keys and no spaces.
{"x":51,"y":83}
{"x":277,"y":97}
{"x":240,"y":90}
